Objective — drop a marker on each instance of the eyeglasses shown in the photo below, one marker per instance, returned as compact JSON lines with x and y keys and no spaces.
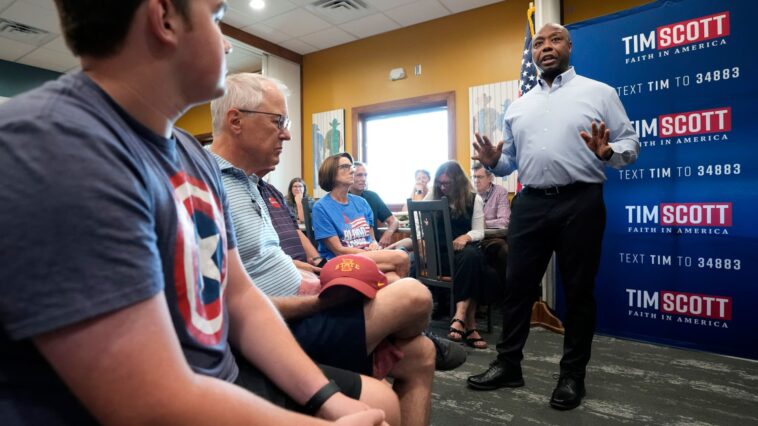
{"x":443,"y":183}
{"x":476,"y":177}
{"x":282,"y":121}
{"x":345,"y":167}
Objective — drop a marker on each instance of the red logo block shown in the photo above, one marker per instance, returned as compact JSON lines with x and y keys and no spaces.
{"x":696,"y":122}
{"x":696,"y":214}
{"x":696,"y":305}
{"x":693,"y":30}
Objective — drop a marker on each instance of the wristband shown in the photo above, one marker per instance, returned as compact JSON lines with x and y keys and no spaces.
{"x":320,"y":397}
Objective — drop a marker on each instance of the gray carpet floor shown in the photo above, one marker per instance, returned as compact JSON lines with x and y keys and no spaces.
{"x":627,"y":383}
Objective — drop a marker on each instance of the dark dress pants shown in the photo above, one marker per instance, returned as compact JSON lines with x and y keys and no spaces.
{"x":571,"y":223}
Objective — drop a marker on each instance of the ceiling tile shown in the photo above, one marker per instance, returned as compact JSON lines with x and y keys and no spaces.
{"x":33,"y":15}
{"x":370,"y":25}
{"x":59,"y":45}
{"x":44,"y":4}
{"x":419,"y":11}
{"x":298,"y":22}
{"x":10,"y":50}
{"x":456,"y":6}
{"x":267,"y":33}
{"x":49,"y":59}
{"x":273,"y":8}
{"x":329,"y":38}
{"x":388,"y":4}
{"x":236,"y":18}
{"x":4,"y":4}
{"x":299,"y":46}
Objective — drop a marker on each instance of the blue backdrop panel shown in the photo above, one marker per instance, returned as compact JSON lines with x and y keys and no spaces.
{"x":680,"y":253}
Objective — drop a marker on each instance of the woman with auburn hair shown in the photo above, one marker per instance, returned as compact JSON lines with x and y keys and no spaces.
{"x":343,"y":222}
{"x":467,"y":226}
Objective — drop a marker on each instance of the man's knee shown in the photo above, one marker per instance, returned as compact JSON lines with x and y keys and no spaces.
{"x":423,"y":352}
{"x":415,"y":295}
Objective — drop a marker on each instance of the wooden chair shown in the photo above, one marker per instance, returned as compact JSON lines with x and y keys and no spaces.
{"x":425,"y":218}
{"x":308,"y":221}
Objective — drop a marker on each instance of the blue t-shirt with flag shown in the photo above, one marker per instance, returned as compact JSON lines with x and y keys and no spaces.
{"x":350,"y":222}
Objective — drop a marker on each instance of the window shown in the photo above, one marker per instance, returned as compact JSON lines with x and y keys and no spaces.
{"x":397,"y":138}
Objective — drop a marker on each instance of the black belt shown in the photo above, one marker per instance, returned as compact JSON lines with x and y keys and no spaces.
{"x":552,"y":191}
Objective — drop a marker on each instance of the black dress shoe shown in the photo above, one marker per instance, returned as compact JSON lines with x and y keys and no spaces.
{"x":497,"y":376}
{"x":568,"y":393}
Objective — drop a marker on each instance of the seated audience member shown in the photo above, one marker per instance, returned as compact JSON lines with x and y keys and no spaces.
{"x":380,"y":210}
{"x":339,"y":332}
{"x":118,"y":311}
{"x":497,"y":209}
{"x":293,"y":241}
{"x":420,"y":188}
{"x":297,"y":194}
{"x":467,"y":225}
{"x":342,"y":222}
{"x":497,"y":215}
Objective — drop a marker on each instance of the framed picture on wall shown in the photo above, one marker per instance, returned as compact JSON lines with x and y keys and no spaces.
{"x":328,"y":136}
{"x":487,"y":106}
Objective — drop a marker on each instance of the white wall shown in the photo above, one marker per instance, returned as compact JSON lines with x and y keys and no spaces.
{"x":291,"y":159}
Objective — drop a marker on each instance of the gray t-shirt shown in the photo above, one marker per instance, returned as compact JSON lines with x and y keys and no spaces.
{"x":99,"y":213}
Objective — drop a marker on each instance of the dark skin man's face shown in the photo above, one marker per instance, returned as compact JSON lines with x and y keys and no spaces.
{"x":551,"y":51}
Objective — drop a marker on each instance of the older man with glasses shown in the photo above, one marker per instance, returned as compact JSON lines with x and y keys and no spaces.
{"x":374,"y":337}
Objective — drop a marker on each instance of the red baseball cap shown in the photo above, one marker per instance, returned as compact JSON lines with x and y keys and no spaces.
{"x":357,"y":272}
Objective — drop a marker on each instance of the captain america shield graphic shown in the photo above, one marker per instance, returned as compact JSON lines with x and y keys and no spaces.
{"x":200,"y":259}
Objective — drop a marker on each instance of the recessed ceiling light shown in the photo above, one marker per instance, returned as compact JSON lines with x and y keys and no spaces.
{"x":257,"y":4}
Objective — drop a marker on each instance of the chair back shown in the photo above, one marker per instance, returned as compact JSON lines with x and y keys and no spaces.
{"x":308,"y":221}
{"x":433,"y":243}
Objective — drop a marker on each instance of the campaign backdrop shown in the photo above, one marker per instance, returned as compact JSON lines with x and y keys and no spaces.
{"x":680,"y":252}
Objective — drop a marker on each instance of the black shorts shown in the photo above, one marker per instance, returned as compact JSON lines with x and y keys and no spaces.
{"x":253,"y":380}
{"x":336,"y":337}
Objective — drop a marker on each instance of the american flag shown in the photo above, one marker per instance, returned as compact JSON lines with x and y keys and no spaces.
{"x":528,"y":75}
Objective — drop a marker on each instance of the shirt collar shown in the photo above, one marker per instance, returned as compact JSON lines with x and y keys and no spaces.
{"x":227,"y":167}
{"x":560,"y":80}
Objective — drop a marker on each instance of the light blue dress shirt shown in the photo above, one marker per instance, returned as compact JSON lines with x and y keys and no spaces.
{"x":541,"y":133}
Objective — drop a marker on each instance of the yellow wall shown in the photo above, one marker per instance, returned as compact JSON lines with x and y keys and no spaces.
{"x":467,"y":49}
{"x":197,"y":120}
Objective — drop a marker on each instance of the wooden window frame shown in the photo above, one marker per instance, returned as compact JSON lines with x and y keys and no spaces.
{"x":362,"y":113}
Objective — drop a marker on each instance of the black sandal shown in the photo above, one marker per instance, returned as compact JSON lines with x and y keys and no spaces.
{"x":454,"y":331}
{"x":472,"y":341}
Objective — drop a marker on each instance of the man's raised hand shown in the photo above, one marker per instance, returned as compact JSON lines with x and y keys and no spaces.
{"x":485,"y":151}
{"x":597,"y":142}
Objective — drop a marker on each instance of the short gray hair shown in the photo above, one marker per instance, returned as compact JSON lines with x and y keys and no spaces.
{"x":477,"y":165}
{"x":243,"y":90}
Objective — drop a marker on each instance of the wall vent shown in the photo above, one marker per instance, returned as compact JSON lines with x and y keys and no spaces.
{"x":24,"y":33}
{"x":340,"y":11}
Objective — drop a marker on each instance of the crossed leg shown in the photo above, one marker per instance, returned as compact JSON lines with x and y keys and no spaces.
{"x":394,"y":263}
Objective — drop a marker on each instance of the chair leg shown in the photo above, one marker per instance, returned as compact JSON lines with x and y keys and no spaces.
{"x":452,"y":305}
{"x":489,"y":318}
